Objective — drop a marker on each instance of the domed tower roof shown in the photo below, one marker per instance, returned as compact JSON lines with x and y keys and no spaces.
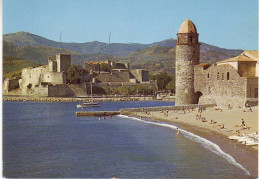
{"x":188,"y":27}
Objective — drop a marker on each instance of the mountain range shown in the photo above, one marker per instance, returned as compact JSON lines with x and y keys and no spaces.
{"x":157,"y":56}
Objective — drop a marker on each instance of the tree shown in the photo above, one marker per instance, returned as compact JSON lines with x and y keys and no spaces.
{"x":74,"y":74}
{"x":162,"y":80}
{"x":171,"y":86}
{"x":122,"y":90}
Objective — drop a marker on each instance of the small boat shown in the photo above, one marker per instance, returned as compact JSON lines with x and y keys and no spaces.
{"x":89,"y":104}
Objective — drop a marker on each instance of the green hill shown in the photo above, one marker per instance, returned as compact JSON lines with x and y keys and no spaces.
{"x":162,"y":59}
{"x":21,"y":39}
{"x":12,"y":66}
{"x":38,"y":54}
{"x":156,"y":57}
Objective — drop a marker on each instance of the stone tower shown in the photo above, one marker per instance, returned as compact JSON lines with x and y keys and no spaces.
{"x":63,"y":62}
{"x":187,"y":55}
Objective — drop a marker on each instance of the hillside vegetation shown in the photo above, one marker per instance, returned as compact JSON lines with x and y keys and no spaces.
{"x":162,"y":59}
{"x":37,"y":54}
{"x":12,"y":66}
{"x":21,"y":39}
{"x":156,"y":57}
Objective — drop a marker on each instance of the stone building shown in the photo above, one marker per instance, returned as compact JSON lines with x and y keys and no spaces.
{"x":116,"y":73}
{"x":47,"y":80}
{"x":233,"y":81}
{"x":187,"y":55}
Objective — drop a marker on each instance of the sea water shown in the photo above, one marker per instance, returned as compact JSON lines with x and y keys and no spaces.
{"x":47,"y":140}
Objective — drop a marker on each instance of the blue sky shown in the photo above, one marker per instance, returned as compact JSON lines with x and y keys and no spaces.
{"x":229,"y":24}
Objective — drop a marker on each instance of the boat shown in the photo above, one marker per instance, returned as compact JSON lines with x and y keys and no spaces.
{"x":88,"y":104}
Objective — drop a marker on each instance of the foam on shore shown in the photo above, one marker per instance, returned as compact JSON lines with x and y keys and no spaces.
{"x":204,"y":142}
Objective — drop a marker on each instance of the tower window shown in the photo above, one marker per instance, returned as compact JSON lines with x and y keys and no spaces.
{"x":222,"y":76}
{"x":218,"y":76}
{"x":190,"y":38}
{"x":208,"y":75}
{"x":227,"y":75}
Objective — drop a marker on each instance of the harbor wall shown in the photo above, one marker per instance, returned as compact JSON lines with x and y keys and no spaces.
{"x":97,"y":113}
{"x":162,"y":108}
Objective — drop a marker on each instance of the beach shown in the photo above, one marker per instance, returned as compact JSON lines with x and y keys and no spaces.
{"x":231,"y":118}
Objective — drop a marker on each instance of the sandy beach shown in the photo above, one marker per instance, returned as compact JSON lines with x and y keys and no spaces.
{"x":230,"y":118}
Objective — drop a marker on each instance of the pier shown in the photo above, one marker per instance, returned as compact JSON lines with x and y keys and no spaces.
{"x":128,"y":111}
{"x":97,"y":113}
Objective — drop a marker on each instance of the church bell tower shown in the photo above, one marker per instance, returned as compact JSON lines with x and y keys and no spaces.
{"x":187,"y":55}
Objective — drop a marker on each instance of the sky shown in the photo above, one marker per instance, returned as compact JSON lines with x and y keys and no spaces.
{"x":231,"y":24}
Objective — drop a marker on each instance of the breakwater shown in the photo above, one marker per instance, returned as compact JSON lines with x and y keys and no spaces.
{"x":162,"y":108}
{"x":73,"y":99}
{"x":128,"y":111}
{"x":97,"y":113}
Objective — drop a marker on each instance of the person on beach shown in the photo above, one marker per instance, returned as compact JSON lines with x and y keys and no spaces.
{"x":183,"y":109}
{"x":166,"y":113}
{"x":178,"y":130}
{"x":229,"y":106}
{"x":221,"y":126}
{"x":243,"y":122}
{"x":212,"y":122}
{"x":203,"y":119}
{"x":237,"y":133}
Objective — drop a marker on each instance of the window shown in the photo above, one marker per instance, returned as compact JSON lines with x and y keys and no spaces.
{"x":190,"y":38}
{"x":208,"y":75}
{"x":227,"y":75}
{"x":222,"y":76}
{"x":218,"y":76}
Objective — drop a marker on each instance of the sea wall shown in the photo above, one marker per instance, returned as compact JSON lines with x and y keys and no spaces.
{"x":97,"y":113}
{"x":73,"y":99}
{"x":162,"y":108}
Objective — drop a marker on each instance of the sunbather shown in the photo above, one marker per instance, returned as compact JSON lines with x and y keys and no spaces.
{"x":221,"y":126}
{"x":212,"y":122}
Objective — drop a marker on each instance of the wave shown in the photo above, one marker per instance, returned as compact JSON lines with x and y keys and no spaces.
{"x":204,"y":142}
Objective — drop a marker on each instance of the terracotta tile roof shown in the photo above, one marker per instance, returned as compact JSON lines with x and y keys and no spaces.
{"x":204,"y":64}
{"x":246,"y":56}
{"x":187,"y":26}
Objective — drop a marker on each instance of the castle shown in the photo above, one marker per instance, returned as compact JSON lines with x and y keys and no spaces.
{"x":230,"y":82}
{"x":115,"y":73}
{"x":47,"y":80}
{"x":51,"y":79}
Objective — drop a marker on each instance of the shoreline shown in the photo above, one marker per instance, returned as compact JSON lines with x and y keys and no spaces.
{"x":247,"y":156}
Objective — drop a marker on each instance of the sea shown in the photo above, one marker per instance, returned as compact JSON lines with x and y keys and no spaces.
{"x":47,"y":140}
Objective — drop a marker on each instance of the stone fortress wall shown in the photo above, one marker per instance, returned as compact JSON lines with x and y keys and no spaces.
{"x":119,"y":73}
{"x":48,"y":80}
